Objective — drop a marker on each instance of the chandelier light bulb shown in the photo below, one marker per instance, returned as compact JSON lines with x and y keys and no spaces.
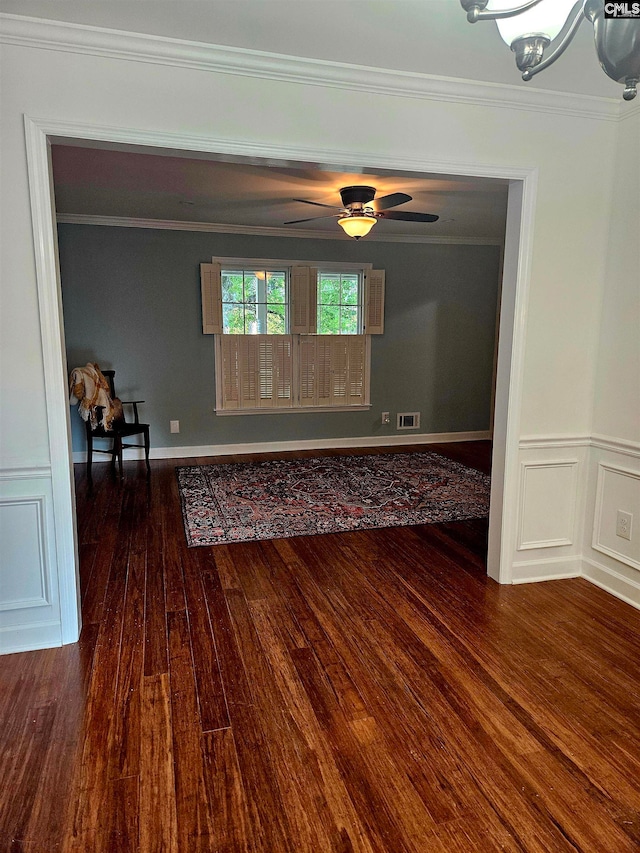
{"x":546,"y":19}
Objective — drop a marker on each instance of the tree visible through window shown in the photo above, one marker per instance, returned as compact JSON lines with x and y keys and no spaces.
{"x":254,"y":302}
{"x":339,"y":303}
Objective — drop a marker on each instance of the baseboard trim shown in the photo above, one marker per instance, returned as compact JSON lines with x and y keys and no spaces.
{"x":551,"y":569}
{"x":354,"y":442}
{"x":613,"y":582}
{"x":30,"y":637}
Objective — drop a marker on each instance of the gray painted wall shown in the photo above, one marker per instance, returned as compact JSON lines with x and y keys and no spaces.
{"x":132,"y":302}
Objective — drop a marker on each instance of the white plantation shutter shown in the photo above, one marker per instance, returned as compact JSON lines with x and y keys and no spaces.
{"x":249,"y":374}
{"x":275,"y":354}
{"x":307,"y":370}
{"x":324,"y":370}
{"x":211,"y":293}
{"x":374,"y":302}
{"x":303,"y":300}
{"x":257,"y":371}
{"x":333,"y":370}
{"x":357,"y":366}
{"x":230,"y":371}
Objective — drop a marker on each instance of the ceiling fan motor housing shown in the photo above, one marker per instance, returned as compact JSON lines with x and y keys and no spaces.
{"x":357,"y":197}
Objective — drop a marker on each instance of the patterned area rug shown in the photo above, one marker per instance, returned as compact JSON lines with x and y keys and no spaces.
{"x":240,"y":502}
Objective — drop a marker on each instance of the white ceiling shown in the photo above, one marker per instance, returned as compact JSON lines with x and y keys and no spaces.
{"x":424,"y":36}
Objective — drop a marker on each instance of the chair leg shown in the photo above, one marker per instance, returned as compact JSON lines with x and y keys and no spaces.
{"x":146,"y":449}
{"x":89,"y":454}
{"x":117,"y":446}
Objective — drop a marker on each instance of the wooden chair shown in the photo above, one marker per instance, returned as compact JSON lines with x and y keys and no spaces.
{"x":120,"y":430}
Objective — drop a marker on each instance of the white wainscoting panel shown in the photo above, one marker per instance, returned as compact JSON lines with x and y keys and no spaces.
{"x":618,"y":488}
{"x":29,"y":600}
{"x":548,"y":494}
{"x":25,"y":571}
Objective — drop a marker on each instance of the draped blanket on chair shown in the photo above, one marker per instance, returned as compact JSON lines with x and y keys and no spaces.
{"x":90,"y":389}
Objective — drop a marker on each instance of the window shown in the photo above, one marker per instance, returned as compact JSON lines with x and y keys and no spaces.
{"x":289,"y":336}
{"x":255,"y":302}
{"x":339,"y":303}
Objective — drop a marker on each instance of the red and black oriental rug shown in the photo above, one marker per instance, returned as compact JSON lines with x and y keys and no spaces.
{"x":240,"y":502}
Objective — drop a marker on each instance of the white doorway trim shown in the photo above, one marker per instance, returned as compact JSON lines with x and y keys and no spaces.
{"x":518,"y":248}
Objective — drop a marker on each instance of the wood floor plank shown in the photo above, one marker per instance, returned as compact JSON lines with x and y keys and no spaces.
{"x":124,"y":737}
{"x":66,"y":687}
{"x":288,"y":753}
{"x":173,"y":544}
{"x":157,"y":802}
{"x":119,"y":828}
{"x":212,"y":702}
{"x":93,"y":601}
{"x":380,"y":808}
{"x":230,"y":820}
{"x":34,"y":738}
{"x":339,"y":818}
{"x":192,"y":807}
{"x":268,"y":819}
{"x":88,"y":824}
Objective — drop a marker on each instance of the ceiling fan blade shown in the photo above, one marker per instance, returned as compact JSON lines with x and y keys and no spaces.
{"x":392,"y":200}
{"x":408,"y":216}
{"x":317,"y":203}
{"x":311,"y":219}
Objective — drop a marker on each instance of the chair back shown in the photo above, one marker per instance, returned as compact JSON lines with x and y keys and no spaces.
{"x":99,"y":430}
{"x":108,"y":375}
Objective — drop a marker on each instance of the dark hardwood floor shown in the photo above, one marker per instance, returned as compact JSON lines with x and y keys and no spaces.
{"x":367,"y":691}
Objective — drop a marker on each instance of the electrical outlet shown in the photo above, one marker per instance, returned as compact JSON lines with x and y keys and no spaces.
{"x":386,"y":418}
{"x":174,"y":426}
{"x":624,"y":520}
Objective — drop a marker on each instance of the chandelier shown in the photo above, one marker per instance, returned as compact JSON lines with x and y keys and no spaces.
{"x":531,"y":27}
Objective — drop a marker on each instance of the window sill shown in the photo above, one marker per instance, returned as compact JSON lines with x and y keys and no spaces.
{"x":292,"y":410}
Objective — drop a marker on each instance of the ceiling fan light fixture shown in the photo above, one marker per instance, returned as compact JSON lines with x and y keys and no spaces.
{"x":357,"y":226}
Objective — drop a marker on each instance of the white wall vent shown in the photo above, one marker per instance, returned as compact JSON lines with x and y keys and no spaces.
{"x":408,"y":420}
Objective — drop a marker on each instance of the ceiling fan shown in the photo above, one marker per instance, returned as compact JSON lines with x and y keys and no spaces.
{"x":361,"y":210}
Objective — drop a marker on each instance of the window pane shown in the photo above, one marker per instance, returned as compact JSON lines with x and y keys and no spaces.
{"x":233,"y":319}
{"x":276,"y":319}
{"x":251,"y":321}
{"x":330,"y":290}
{"x":329,"y":320}
{"x":232,"y":286}
{"x":250,"y":287}
{"x":275,"y":287}
{"x":349,"y":290}
{"x":349,"y":320}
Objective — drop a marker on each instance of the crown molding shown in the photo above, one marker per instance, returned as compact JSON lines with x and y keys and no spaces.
{"x":140,"y":47}
{"x":256,"y":230}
